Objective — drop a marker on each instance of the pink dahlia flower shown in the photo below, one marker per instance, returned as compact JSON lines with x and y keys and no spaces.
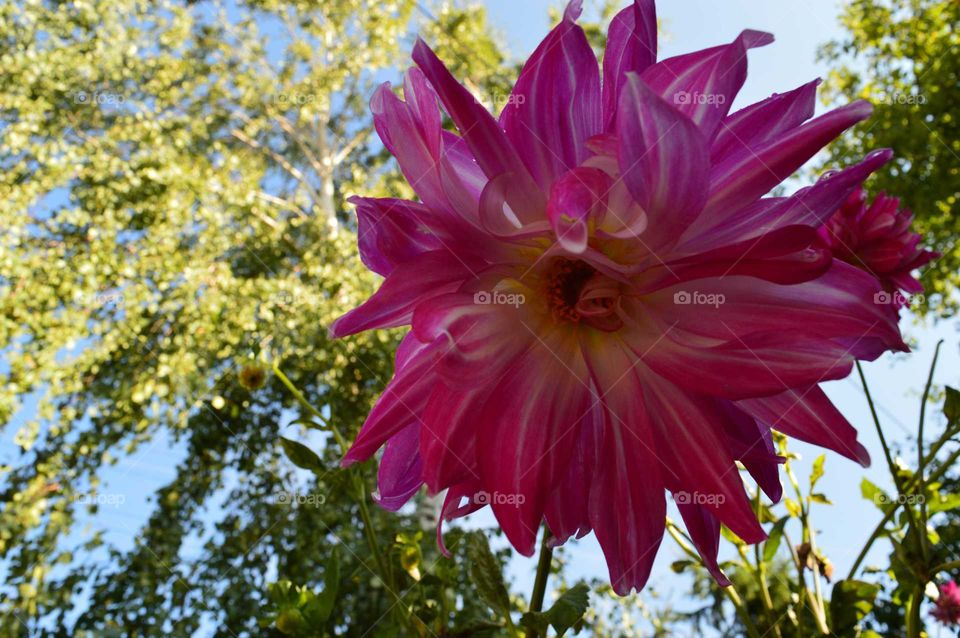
{"x":877,"y":238}
{"x":947,"y":609}
{"x":604,"y":306}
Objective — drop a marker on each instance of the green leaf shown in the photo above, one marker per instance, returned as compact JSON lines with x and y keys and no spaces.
{"x":321,"y":607}
{"x":772,"y":543}
{"x":793,"y":507}
{"x":817,"y":472}
{"x":850,"y":602}
{"x":564,"y":614}
{"x":818,"y":497}
{"x":871,"y":492}
{"x":485,"y":573}
{"x":301,"y":456}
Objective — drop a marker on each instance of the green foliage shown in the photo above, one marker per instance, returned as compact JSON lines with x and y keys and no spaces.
{"x":904,"y":56}
{"x":564,"y":614}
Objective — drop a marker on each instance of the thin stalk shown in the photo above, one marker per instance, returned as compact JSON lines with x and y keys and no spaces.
{"x":914,"y":624}
{"x":819,"y":609}
{"x":342,"y":442}
{"x":540,"y":581}
{"x":921,"y":489}
{"x":886,"y":450}
{"x":729,"y":591}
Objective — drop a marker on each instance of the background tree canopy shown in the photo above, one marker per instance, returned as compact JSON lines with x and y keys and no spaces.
{"x":174,"y":176}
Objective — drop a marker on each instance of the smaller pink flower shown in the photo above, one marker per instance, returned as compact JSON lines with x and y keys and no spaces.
{"x":877,"y":238}
{"x":947,"y":609}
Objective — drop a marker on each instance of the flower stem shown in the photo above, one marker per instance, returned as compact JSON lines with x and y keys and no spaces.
{"x":945,"y":567}
{"x":543,"y":573}
{"x":921,"y":488}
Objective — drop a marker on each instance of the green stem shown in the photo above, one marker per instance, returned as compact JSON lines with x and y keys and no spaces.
{"x":543,"y":573}
{"x":342,"y":442}
{"x":914,"y":624}
{"x":924,"y":541}
{"x":886,"y":453}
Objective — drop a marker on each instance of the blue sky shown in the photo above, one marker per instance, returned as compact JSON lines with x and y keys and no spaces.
{"x":896,"y":381}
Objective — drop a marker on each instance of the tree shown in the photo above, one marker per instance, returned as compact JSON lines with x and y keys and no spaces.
{"x":903,"y":56}
{"x":175,"y":176}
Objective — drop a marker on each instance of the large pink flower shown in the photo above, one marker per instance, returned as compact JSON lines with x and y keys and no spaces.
{"x":877,"y":237}
{"x":603,"y":305}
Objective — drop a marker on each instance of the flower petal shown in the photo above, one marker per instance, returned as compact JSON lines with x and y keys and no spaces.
{"x":529,"y":434}
{"x":410,"y":283}
{"x":392,"y":231}
{"x":807,"y":414}
{"x":702,"y":85}
{"x":631,"y":48}
{"x":627,"y":503}
{"x":555,"y":105}
{"x":663,"y":161}
{"x":487,"y":141}
{"x":398,"y":477}
{"x":704,"y":530}
{"x":741,"y":179}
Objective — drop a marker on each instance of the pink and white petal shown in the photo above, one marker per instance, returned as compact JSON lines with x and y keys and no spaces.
{"x":399,"y":474}
{"x":785,"y":256}
{"x":752,"y":444}
{"x":556,"y":106}
{"x":578,"y":203}
{"x":757,"y":364}
{"x":455,"y":507}
{"x":663,"y":160}
{"x":488,"y":143}
{"x":410,"y":283}
{"x":627,"y":501}
{"x":393,"y":231}
{"x":631,"y":48}
{"x":808,"y":415}
{"x":448,"y":437}
{"x":810,"y":206}
{"x":740,"y":180}
{"x":499,"y":218}
{"x":702,"y":85}
{"x":839,"y":305}
{"x":690,"y":440}
{"x":401,"y":404}
{"x":704,"y":530}
{"x":530,"y":433}
{"x":764,"y":121}
{"x":568,"y":507}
